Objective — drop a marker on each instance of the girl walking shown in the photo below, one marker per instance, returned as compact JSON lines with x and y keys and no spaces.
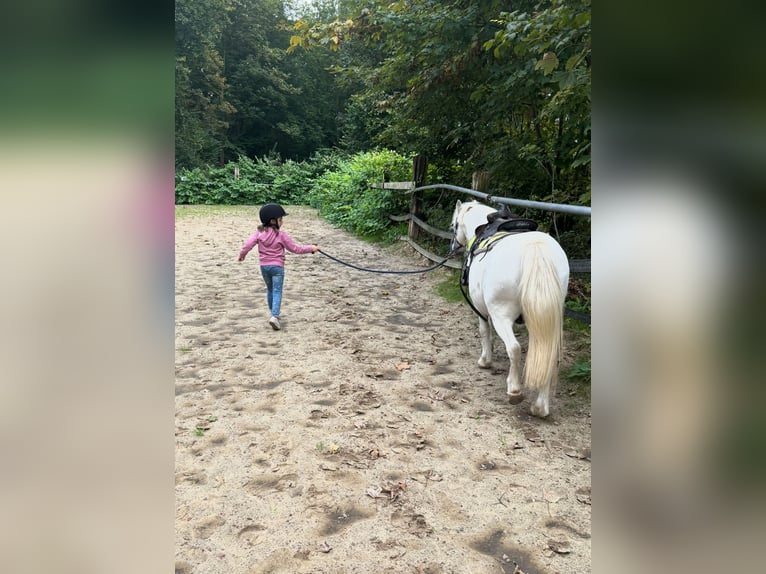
{"x":272,"y":242}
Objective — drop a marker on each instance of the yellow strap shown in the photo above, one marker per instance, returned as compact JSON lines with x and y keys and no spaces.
{"x":489,"y":240}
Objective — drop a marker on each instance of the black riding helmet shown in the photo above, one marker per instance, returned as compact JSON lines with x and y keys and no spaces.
{"x":271,"y":211}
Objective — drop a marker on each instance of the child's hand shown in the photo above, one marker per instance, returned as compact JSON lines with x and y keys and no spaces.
{"x":314,"y":248}
{"x":241,"y":258}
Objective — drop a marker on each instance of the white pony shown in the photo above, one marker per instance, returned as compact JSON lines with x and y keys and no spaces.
{"x":523,"y":274}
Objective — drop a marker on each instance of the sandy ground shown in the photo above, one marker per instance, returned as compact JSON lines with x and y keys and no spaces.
{"x":362,"y":437}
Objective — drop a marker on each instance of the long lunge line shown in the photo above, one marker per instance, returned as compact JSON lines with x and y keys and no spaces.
{"x":407,"y":272}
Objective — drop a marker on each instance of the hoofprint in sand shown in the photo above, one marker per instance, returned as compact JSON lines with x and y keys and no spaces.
{"x":362,"y":437}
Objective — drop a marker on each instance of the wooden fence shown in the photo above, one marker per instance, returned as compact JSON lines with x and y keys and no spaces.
{"x":417,"y":186}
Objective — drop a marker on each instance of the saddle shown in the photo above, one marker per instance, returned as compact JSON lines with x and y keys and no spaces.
{"x":503,"y":220}
{"x":500,"y":223}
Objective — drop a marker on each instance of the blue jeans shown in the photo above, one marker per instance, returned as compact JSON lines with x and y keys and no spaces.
{"x":274,"y":276}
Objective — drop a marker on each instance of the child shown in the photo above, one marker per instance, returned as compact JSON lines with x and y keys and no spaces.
{"x":271,"y":251}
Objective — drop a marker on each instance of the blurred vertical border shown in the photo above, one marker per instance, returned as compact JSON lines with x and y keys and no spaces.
{"x":679,"y":175}
{"x":86,"y":296}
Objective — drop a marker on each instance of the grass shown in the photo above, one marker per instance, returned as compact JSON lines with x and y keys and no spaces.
{"x":579,"y":372}
{"x":449,"y":289}
{"x":183,"y":211}
{"x":385,"y":237}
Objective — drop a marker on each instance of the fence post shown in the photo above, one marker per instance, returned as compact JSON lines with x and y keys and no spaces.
{"x":419,"y":169}
{"x":480,"y":181}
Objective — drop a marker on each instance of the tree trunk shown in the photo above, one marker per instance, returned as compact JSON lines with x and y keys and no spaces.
{"x":419,"y":169}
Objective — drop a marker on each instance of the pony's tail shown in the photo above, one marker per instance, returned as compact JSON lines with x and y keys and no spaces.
{"x":542,"y":305}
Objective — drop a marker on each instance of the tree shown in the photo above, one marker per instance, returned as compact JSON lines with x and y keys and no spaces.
{"x":469,"y":82}
{"x":238,"y":92}
{"x":202,"y":110}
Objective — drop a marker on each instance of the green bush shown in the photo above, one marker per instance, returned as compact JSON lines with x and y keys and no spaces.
{"x":260,"y":180}
{"x":338,"y":185}
{"x":345,"y":198}
{"x":292,"y":183}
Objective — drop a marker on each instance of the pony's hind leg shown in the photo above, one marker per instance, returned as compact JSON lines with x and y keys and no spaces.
{"x":540,"y":407}
{"x":504,"y":328}
{"x":485,"y":334}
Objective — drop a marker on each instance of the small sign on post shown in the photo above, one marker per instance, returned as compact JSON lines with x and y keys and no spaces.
{"x":480,"y":181}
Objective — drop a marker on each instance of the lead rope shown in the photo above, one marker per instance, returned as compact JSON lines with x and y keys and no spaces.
{"x":449,"y":255}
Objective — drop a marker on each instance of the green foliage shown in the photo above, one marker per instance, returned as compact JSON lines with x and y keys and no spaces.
{"x":483,"y":85}
{"x":260,"y":181}
{"x":344,"y":197}
{"x":239,"y":93}
{"x":470,"y":83}
{"x":579,"y":295}
{"x":575,"y":239}
{"x":449,"y":289}
{"x":578,"y":300}
{"x":495,"y":86}
{"x":580,"y":372}
{"x":338,"y":185}
{"x":202,"y":111}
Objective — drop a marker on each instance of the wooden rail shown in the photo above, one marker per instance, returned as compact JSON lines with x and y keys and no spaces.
{"x":575,"y":265}
{"x":417,"y":187}
{"x":422,"y":224}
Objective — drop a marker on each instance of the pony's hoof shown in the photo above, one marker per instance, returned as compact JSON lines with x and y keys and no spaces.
{"x":515,"y":398}
{"x":484,"y":364}
{"x":538,"y":412}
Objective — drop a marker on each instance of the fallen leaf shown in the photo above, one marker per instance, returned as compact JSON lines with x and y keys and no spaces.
{"x":324,"y":547}
{"x":375,"y":453}
{"x":374,"y":492}
{"x":394,"y":490}
{"x":402,"y":366}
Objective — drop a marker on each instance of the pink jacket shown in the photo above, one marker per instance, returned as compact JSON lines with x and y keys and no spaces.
{"x":271,"y":246}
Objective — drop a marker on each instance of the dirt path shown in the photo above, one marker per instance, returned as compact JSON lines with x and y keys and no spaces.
{"x":362,"y":438}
